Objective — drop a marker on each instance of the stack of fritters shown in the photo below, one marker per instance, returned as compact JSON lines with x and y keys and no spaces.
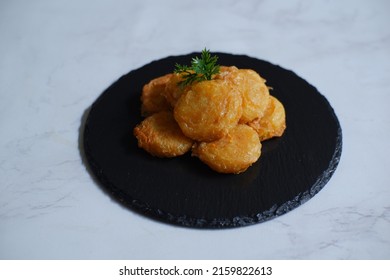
{"x":222,"y":120}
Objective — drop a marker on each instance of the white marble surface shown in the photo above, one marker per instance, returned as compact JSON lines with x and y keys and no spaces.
{"x":56,"y":57}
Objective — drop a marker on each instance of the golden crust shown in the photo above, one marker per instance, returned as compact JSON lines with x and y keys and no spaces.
{"x":160,"y":135}
{"x":255,"y":94}
{"x":224,"y":72}
{"x":273,"y":123}
{"x":152,"y":97}
{"x":233,"y":153}
{"x":208,"y":110}
{"x":173,"y":91}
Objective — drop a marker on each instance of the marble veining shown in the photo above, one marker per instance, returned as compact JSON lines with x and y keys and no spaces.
{"x":57,"y":57}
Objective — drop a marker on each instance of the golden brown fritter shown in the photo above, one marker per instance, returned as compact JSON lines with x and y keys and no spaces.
{"x":255,"y":94}
{"x":233,"y":153}
{"x":160,"y":135}
{"x":273,"y":123}
{"x":208,"y":110}
{"x":173,"y":90}
{"x":224,"y":72}
{"x":152,"y":98}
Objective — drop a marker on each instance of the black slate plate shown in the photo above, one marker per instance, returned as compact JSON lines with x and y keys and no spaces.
{"x":184,"y":191}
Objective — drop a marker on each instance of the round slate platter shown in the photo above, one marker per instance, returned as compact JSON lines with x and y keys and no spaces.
{"x":183,"y":190}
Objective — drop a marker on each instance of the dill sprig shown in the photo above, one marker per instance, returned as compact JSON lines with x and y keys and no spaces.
{"x":201,"y":69}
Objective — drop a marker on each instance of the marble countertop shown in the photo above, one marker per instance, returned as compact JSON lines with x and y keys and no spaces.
{"x":57,"y":57}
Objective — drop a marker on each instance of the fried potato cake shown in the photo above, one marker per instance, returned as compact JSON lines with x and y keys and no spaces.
{"x":273,"y":123}
{"x":233,"y":153}
{"x":224,"y":72}
{"x":173,"y":90}
{"x":152,"y":97}
{"x":254,"y":91}
{"x":208,"y":110}
{"x":160,"y":135}
{"x":255,"y":94}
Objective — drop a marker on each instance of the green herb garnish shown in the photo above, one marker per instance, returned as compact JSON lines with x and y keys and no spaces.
{"x":201,"y":69}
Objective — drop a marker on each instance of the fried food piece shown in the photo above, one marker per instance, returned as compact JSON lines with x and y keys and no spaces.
{"x":233,"y":153}
{"x":208,"y":110}
{"x":152,"y":98}
{"x":273,"y":123}
{"x":224,"y":72}
{"x":173,"y":90}
{"x":160,"y":135}
{"x":255,"y":94}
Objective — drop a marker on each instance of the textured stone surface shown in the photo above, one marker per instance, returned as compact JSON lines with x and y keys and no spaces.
{"x":183,"y":191}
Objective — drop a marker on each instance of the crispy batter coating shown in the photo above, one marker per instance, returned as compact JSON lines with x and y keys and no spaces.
{"x":255,"y":94}
{"x":160,"y":135}
{"x":273,"y":123}
{"x":208,"y":110}
{"x":224,"y":72}
{"x":173,"y":91}
{"x":233,"y":153}
{"x":152,"y":98}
